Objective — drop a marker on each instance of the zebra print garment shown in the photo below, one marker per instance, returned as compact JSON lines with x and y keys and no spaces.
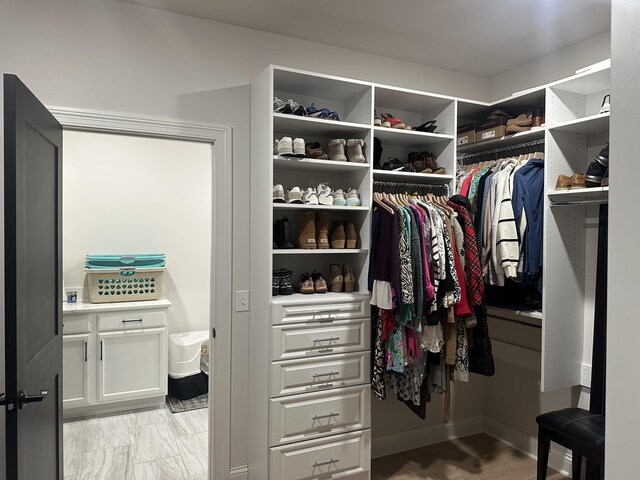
{"x":406,"y":273}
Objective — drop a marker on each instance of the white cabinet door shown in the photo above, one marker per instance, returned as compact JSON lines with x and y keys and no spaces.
{"x":132,"y":364}
{"x":76,"y":355}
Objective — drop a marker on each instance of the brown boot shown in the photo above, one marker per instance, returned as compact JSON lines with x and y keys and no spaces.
{"x":322,"y":229}
{"x":336,"y":281}
{"x":338,"y":235}
{"x":307,"y":230}
{"x":349,"y":279}
{"x":351,"y":234}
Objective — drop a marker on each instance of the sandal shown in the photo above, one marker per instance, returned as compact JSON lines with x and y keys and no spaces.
{"x":429,"y":126}
{"x":377,"y":120}
{"x":392,"y":122}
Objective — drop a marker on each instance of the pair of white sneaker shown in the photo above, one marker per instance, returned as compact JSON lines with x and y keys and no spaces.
{"x":323,"y":195}
{"x":287,"y":147}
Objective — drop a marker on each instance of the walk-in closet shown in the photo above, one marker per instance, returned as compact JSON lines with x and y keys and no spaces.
{"x":360,"y":240}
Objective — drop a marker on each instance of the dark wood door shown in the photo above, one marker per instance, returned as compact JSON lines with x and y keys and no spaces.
{"x":33,"y":286}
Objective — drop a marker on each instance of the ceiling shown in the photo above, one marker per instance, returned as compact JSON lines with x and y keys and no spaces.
{"x":477,"y":37}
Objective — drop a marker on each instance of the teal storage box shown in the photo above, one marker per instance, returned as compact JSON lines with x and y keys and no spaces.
{"x":146,"y":260}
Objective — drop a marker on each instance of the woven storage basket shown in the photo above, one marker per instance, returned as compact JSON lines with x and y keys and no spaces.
{"x":124,"y":284}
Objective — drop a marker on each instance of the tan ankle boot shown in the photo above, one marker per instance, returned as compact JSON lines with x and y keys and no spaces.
{"x":322,"y":229}
{"x":307,"y":230}
{"x":336,"y":281}
{"x":351,"y":234}
{"x":338,"y":235}
{"x":348,"y":278}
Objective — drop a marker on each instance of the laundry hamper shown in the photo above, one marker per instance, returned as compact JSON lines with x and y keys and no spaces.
{"x":124,"y":278}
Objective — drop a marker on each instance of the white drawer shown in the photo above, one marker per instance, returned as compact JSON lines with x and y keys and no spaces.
{"x":132,"y":319}
{"x":317,"y":311}
{"x":338,"y":456}
{"x":72,"y":324}
{"x":307,"y":375}
{"x":313,"y":339}
{"x":312,"y":415}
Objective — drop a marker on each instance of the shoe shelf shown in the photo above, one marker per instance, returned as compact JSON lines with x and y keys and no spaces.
{"x":505,"y":141}
{"x":337,"y":208}
{"x":579,"y":196}
{"x":320,"y":251}
{"x":331,"y":296}
{"x":409,"y":138}
{"x":590,"y":125}
{"x":411,"y":177}
{"x":297,"y":163}
{"x":294,"y":125}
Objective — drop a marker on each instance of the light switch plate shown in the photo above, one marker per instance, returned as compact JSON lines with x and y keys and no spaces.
{"x":242,"y":300}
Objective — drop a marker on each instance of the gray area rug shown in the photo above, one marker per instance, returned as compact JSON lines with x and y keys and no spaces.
{"x":179,"y":406}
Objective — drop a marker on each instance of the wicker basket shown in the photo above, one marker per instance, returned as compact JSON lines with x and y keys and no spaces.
{"x":124,"y":284}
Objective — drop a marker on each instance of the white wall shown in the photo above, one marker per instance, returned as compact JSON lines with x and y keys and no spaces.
{"x":125,"y":194}
{"x":623,"y":354}
{"x":554,"y":66}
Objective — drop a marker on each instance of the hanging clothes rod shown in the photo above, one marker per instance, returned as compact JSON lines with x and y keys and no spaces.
{"x":495,"y":153}
{"x":410,"y":188}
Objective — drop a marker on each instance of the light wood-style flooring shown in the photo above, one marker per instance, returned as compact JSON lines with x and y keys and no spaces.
{"x":478,"y":457}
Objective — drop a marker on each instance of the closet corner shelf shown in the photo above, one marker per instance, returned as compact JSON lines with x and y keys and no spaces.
{"x":529,"y":317}
{"x":409,"y":138}
{"x":579,"y":196}
{"x":298,"y":206}
{"x":584,"y":126}
{"x":320,"y":251}
{"x":297,"y":163}
{"x":411,"y":177}
{"x":309,"y":297}
{"x":505,"y":141}
{"x":294,"y":125}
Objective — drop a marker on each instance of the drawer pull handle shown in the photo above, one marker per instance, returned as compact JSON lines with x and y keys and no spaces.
{"x":328,"y":415}
{"x":132,"y":321}
{"x":323,"y":464}
{"x":329,"y":339}
{"x":320,"y":375}
{"x":85,"y":351}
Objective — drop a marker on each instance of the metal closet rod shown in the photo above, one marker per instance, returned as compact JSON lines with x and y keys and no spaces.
{"x":494,"y":152}
{"x":413,"y":188}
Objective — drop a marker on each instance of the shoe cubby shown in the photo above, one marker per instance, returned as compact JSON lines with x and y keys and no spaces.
{"x":350,"y":98}
{"x":574,"y":105}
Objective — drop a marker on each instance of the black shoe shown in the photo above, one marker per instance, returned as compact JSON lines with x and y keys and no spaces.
{"x":300,"y":111}
{"x":597,"y":168}
{"x":275,"y":285}
{"x":284,"y":286}
{"x":283,"y":234}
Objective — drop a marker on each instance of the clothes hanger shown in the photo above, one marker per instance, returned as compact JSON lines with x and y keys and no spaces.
{"x":377,"y":197}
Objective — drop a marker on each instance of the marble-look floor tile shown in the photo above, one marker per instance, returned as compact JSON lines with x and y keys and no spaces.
{"x":107,"y":464}
{"x":71,"y":477}
{"x":75,"y":427}
{"x":73,"y":448}
{"x":152,"y":442}
{"x":140,"y":418}
{"x":193,"y":450}
{"x":202,"y":476}
{"x":187,"y":423}
{"x":162,"y":469}
{"x":107,"y":432}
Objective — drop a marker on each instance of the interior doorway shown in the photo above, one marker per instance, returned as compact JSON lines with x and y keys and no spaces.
{"x":178,"y":171}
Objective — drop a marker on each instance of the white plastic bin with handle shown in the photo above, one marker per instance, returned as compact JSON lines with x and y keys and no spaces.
{"x":186,"y":380}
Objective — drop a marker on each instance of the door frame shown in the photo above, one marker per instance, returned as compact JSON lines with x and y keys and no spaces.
{"x":220,"y":138}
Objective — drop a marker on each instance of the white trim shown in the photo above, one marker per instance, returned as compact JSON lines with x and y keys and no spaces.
{"x":221,"y":268}
{"x":585,"y":375}
{"x":421,"y":437}
{"x":559,"y":458}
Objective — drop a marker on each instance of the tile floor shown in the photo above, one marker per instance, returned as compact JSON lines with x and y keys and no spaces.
{"x":150,"y":444}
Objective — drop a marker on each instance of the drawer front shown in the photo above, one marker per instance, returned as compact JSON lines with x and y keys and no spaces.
{"x":301,"y":376}
{"x":73,"y":324}
{"x":315,"y":311}
{"x":312,"y":415}
{"x":132,"y":319}
{"x":308,"y":340}
{"x":338,"y":456}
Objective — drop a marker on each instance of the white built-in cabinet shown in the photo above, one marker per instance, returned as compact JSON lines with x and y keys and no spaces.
{"x":114,"y":355}
{"x":310,"y":354}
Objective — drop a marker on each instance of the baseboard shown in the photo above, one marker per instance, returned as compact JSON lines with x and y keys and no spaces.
{"x":421,"y":437}
{"x":559,"y":458}
{"x":239,"y":473}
